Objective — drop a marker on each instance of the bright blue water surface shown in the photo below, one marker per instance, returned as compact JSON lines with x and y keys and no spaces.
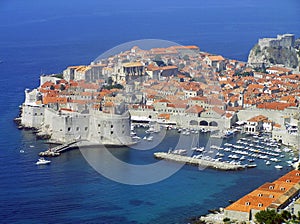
{"x":47,"y":36}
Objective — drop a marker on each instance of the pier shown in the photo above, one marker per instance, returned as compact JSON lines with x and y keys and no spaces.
{"x":56,"y":151}
{"x":198,"y":162}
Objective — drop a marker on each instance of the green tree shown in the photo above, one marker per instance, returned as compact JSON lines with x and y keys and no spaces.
{"x":269,"y":217}
{"x":286,"y":215}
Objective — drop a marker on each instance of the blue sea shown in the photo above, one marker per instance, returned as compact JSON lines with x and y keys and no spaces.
{"x":39,"y":37}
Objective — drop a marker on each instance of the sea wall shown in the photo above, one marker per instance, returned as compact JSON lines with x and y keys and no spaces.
{"x":32,"y":116}
{"x":236,"y":215}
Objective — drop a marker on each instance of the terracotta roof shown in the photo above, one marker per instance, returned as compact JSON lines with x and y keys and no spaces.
{"x":258,"y":118}
{"x":132,"y":64}
{"x":275,"y":105}
{"x":165,"y":116}
{"x":269,"y":195}
{"x":218,"y":111}
{"x":196,"y":109}
{"x":216,"y":58}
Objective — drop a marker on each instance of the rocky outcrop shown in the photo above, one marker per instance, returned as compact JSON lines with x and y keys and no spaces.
{"x":266,"y":55}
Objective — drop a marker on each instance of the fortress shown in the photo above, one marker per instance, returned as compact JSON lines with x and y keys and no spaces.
{"x":64,"y":125}
{"x":284,"y":40}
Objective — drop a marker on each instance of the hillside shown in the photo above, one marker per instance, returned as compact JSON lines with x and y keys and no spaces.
{"x":262,"y":55}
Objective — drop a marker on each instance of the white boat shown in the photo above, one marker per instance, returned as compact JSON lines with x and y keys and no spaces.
{"x":243,"y":158}
{"x":136,"y":137}
{"x":150,"y":138}
{"x":220,"y":154}
{"x":278,"y":167}
{"x":132,"y":133}
{"x":198,"y":149}
{"x":234,"y":157}
{"x":251,"y":165}
{"x":180,"y":151}
{"x":42,"y":161}
{"x":268,"y":163}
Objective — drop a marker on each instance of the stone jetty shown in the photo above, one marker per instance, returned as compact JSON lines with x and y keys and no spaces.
{"x":198,"y":162}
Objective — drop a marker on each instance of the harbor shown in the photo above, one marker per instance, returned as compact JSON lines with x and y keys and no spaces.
{"x":234,"y":152}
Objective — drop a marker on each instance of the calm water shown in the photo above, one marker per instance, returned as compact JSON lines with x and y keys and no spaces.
{"x":44,"y":37}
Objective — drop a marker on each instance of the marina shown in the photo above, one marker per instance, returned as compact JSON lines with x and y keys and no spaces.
{"x":240,"y":151}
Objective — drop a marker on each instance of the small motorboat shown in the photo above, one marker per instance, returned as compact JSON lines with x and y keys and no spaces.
{"x":251,"y":165}
{"x":42,"y":161}
{"x":278,"y":167}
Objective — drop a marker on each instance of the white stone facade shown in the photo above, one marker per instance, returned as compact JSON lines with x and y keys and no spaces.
{"x":285,"y":40}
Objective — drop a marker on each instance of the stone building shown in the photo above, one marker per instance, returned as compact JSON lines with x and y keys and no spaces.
{"x":285,"y":40}
{"x":276,"y":195}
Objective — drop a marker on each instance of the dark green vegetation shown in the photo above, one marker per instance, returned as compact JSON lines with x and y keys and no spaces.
{"x":272,"y":217}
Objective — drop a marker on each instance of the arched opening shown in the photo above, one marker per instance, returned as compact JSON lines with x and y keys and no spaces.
{"x":203,"y":123}
{"x":213,"y":123}
{"x":193,"y":122}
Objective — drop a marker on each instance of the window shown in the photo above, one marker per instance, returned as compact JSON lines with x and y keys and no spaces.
{"x":271,"y":196}
{"x":111,"y":126}
{"x":271,"y":187}
{"x":111,"y":132}
{"x":260,"y":204}
{"x":297,"y":174}
{"x":69,"y":128}
{"x":260,"y":195}
{"x":99,"y":125}
{"x":288,"y":181}
{"x":77,"y":128}
{"x":86,"y":128}
{"x":247,"y":203}
{"x":282,"y":188}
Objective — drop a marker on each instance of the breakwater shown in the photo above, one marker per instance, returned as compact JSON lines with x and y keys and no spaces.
{"x":198,"y":162}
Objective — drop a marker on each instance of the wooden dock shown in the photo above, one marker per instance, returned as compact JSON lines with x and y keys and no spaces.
{"x":198,"y":162}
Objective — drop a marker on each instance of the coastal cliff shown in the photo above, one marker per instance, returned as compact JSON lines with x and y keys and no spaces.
{"x":271,"y":51}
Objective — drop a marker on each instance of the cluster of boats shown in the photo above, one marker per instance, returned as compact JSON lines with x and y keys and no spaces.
{"x":256,"y":147}
{"x":244,"y":152}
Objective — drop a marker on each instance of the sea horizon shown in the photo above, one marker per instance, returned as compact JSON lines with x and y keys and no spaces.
{"x":46,"y":37}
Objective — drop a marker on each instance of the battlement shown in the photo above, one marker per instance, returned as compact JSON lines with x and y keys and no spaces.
{"x":284,"y":40}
